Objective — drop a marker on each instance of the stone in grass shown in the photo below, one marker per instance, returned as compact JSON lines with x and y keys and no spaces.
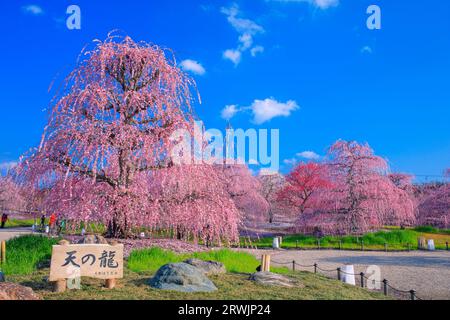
{"x":93,"y":239}
{"x":181,"y":277}
{"x":207,"y":267}
{"x":14,"y":291}
{"x":272,"y":279}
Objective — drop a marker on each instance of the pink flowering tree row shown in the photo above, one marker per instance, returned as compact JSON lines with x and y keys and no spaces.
{"x":349,"y":192}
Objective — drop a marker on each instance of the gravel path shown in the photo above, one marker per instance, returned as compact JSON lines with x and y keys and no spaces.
{"x":9,"y":233}
{"x":428,"y":273}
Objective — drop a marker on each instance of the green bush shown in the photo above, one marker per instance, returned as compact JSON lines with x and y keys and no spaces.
{"x":24,"y":254}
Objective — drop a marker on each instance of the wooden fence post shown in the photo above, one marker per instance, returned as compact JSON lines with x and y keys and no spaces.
{"x":293,"y":265}
{"x":111,"y":283}
{"x":422,"y":243}
{"x":3,"y":252}
{"x":265,"y":263}
{"x":386,"y":247}
{"x":60,"y":285}
{"x":385,"y":287}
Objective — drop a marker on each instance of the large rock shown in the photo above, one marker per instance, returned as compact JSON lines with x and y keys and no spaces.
{"x":13,"y":291}
{"x":272,"y":279}
{"x":182,"y":277}
{"x":92,"y":239}
{"x":207,"y":267}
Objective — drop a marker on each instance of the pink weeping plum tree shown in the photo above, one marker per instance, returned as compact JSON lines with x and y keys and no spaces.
{"x":11,"y":194}
{"x":245,"y":191}
{"x":434,"y":204}
{"x":105,"y":152}
{"x":364,"y":193}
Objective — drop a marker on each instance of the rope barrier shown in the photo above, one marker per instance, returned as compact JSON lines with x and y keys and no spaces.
{"x":412,"y":294}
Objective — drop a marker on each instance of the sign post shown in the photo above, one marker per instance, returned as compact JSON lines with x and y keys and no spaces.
{"x":101,"y":261}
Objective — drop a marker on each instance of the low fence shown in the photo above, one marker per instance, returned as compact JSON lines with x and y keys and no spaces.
{"x":360,"y":278}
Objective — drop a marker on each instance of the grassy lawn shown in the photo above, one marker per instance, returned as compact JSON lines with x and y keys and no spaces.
{"x":16,"y":223}
{"x":231,"y":286}
{"x":28,"y":257}
{"x":395,"y":239}
{"x":24,"y":254}
{"x":150,"y":260}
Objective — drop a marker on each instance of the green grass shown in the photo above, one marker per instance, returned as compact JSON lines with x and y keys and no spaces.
{"x":150,"y":260}
{"x":231,"y":286}
{"x":24,"y":254}
{"x":396,"y":239}
{"x":16,"y":223}
{"x":430,"y":229}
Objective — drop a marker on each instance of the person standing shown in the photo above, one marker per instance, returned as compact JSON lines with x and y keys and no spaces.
{"x":43,"y":222}
{"x":51,"y":222}
{"x":4,"y":220}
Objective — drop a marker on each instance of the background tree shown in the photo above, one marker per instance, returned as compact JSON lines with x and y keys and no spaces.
{"x":402,"y":180}
{"x":245,"y":190}
{"x":11,"y":195}
{"x":109,"y":131}
{"x":271,"y":184}
{"x":305,"y":187}
{"x":434,"y":209}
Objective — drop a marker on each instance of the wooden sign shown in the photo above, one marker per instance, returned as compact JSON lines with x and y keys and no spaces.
{"x":99,"y":261}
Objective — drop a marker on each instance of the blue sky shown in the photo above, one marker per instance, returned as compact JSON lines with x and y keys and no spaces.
{"x":310,"y":68}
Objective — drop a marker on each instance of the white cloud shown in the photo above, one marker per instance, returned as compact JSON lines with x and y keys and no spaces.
{"x":266,"y":110}
{"x":310,"y":155}
{"x":33,"y":9}
{"x":246,"y":28}
{"x":322,"y":4}
{"x":262,"y":110}
{"x":246,"y":41}
{"x":256,"y":50}
{"x":366,"y":49}
{"x":233,"y":55}
{"x":290,"y":162}
{"x":325,"y":4}
{"x":229,"y":112}
{"x":192,"y":66}
{"x":7,"y":165}
{"x":239,"y":24}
